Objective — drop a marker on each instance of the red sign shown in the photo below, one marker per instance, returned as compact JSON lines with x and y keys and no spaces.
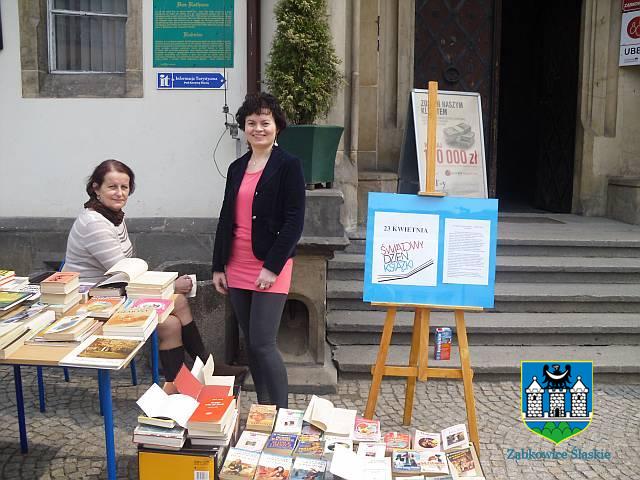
{"x":633,"y":28}
{"x":630,"y":5}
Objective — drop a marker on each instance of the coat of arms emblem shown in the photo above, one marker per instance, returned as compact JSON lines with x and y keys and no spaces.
{"x":556,"y":397}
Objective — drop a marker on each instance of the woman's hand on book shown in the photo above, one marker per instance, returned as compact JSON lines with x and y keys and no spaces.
{"x":183,"y":284}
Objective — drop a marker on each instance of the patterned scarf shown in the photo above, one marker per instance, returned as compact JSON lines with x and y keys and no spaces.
{"x":114,"y":217}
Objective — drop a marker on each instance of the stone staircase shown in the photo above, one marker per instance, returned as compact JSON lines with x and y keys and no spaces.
{"x":567,"y":288}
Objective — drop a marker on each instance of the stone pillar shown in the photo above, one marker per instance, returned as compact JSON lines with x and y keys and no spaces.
{"x":557,"y":401}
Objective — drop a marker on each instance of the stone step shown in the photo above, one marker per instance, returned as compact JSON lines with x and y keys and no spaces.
{"x":492,"y":360}
{"x":520,"y":297}
{"x":352,"y":327}
{"x":524,"y":269}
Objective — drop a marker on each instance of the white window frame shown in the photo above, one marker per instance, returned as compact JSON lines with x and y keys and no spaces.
{"x":51,"y":12}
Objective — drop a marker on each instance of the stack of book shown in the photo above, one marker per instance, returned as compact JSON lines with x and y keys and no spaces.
{"x":213,"y":422}
{"x":19,"y":326}
{"x":102,"y":307}
{"x":6,"y":275}
{"x":140,"y":282}
{"x":60,"y":291}
{"x":13,"y":284}
{"x":66,"y":331}
{"x":153,"y":436}
{"x":132,"y":322}
{"x":162,"y":306}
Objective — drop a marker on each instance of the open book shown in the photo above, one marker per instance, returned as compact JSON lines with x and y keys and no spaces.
{"x":135,"y":272}
{"x":334,"y":421}
{"x":156,"y":403}
{"x":200,"y":380}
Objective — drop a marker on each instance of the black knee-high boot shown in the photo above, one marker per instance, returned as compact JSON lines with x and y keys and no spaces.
{"x":171,"y":361}
{"x":192,"y":341}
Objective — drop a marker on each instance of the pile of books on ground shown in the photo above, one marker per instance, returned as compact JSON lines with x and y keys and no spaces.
{"x":319,"y":442}
{"x":60,"y":291}
{"x":204,"y":412}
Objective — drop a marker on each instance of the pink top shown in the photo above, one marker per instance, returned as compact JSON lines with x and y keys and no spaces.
{"x":243,"y":267}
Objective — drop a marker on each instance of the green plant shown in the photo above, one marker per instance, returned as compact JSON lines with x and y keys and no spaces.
{"x":303,"y":68}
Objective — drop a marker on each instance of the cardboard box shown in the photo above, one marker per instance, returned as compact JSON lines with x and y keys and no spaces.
{"x":192,"y":463}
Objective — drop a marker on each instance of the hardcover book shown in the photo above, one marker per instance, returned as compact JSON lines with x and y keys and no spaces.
{"x":254,"y":441}
{"x":273,"y":466}
{"x":261,"y":418}
{"x":60,"y":282}
{"x":281,"y":444}
{"x":289,"y":421}
{"x":366,"y":430}
{"x":239,"y":465}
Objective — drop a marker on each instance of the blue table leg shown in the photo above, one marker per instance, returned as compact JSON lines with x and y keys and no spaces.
{"x":154,"y":357}
{"x":43,"y":407}
{"x":22,"y":424}
{"x":66,"y":373}
{"x":134,"y":374}
{"x":100,"y":395}
{"x":104,"y":382}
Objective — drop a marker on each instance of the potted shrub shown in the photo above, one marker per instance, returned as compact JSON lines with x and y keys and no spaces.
{"x":303,"y":74}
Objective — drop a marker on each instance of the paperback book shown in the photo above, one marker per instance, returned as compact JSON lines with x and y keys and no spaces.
{"x":60,"y":283}
{"x":366,"y":430}
{"x":9,"y":300}
{"x":261,"y":418}
{"x":103,"y":307}
{"x":289,"y":421}
{"x":273,"y":466}
{"x":239,"y":465}
{"x":131,"y":322}
{"x":372,"y":449}
{"x":308,"y":469}
{"x":396,"y":440}
{"x":281,"y":444}
{"x":454,"y":437}
{"x":158,"y":404}
{"x":68,"y":328}
{"x":254,"y":441}
{"x":425,"y":441}
{"x":405,"y":462}
{"x":104,"y":352}
{"x":464,"y":463}
{"x":309,"y":448}
{"x":163,"y":307}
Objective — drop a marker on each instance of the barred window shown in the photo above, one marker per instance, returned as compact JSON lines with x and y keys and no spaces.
{"x":87,"y":36}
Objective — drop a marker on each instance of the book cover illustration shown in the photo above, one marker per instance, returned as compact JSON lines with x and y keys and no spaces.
{"x":110,"y":348}
{"x":254,"y":441}
{"x":455,"y":437}
{"x":261,"y":417}
{"x":282,"y":443}
{"x":309,"y":448}
{"x":239,"y":464}
{"x":7,"y":299}
{"x":334,"y":442}
{"x":273,"y":466}
{"x":426,"y":441}
{"x":366,"y":430}
{"x":433,"y":462}
{"x":405,"y":461}
{"x":397,"y":440}
{"x":311,"y":430}
{"x":160,"y":305}
{"x":463,"y":463}
{"x":66,"y":324}
{"x":132,"y":317}
{"x":288,"y":421}
{"x":308,"y":469}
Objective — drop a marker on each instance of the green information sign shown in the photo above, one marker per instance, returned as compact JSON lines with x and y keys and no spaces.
{"x":193,"y":34}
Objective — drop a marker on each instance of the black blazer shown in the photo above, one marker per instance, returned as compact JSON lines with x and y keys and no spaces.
{"x":278,"y":211}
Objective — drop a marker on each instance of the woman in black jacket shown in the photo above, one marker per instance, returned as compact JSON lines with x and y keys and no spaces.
{"x":259,"y":226}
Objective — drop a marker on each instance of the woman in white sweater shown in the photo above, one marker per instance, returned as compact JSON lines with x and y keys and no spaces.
{"x":99,"y":239}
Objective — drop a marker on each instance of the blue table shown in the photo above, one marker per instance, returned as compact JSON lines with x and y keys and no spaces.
{"x":43,"y":356}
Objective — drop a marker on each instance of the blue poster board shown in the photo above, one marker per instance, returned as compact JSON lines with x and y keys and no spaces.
{"x":430,"y":250}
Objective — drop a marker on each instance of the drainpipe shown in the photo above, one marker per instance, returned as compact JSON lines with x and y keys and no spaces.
{"x":355,"y":103}
{"x":253,"y":46}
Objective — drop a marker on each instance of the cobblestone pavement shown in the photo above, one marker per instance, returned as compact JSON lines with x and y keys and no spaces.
{"x":67,"y":441}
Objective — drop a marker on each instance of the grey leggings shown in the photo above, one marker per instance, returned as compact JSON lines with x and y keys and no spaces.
{"x":259,"y":315}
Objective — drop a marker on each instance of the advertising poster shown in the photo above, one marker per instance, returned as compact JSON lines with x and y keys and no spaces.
{"x":460,"y":159}
{"x":192,"y":34}
{"x":630,"y":34}
{"x":430,"y":250}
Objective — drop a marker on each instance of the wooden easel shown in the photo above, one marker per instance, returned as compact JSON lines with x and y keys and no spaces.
{"x":418,"y":368}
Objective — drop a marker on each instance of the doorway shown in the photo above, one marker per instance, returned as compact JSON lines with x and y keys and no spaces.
{"x":537,"y":111}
